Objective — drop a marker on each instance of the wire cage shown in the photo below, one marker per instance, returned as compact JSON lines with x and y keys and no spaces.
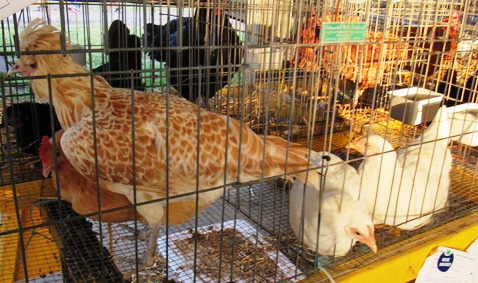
{"x":268,"y":65}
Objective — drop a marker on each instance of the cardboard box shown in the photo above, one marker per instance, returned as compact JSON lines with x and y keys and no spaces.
{"x":10,"y":7}
{"x":264,"y":59}
{"x":414,"y":105}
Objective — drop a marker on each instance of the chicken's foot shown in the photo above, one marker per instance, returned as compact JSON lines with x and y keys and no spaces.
{"x":142,"y":234}
{"x":142,"y":267}
{"x":150,"y":257}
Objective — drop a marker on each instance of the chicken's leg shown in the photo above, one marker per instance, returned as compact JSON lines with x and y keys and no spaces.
{"x":150,"y":255}
{"x":110,"y":237}
{"x":152,"y":243}
{"x":137,"y":234}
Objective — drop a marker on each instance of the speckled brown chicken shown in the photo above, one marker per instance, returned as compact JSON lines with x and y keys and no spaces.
{"x":359,"y":62}
{"x":78,"y":190}
{"x":150,"y":146}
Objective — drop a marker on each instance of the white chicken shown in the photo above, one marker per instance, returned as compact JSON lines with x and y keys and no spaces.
{"x":342,"y":220}
{"x":337,"y":174}
{"x":404,"y":189}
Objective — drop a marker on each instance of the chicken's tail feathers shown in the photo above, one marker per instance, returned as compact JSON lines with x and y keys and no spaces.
{"x":441,"y":115}
{"x":291,"y":158}
{"x":294,"y":147}
{"x":439,"y":127}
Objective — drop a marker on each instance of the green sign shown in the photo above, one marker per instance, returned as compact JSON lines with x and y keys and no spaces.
{"x":343,"y":32}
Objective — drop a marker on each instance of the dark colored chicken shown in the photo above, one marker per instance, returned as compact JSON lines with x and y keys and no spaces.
{"x":460,"y":93}
{"x":121,"y":62}
{"x":442,"y":42}
{"x":202,"y":52}
{"x":31,"y":121}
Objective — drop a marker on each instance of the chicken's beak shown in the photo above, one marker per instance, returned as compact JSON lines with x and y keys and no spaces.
{"x":373,"y":246}
{"x":47,"y":169}
{"x":353,"y":145}
{"x":20,"y":67}
{"x":370,"y":240}
{"x":362,"y":237}
{"x":17,"y":68}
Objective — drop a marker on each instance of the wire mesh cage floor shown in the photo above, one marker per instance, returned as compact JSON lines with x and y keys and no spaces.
{"x":265,"y":207}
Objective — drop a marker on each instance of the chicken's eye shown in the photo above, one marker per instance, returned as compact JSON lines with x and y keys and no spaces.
{"x":34,"y":65}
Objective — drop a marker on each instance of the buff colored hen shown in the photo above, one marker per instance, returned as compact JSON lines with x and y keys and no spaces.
{"x":80,"y":191}
{"x":149,"y":146}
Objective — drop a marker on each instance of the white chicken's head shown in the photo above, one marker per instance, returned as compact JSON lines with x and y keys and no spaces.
{"x":349,"y":224}
{"x":364,"y":233}
{"x":371,"y":144}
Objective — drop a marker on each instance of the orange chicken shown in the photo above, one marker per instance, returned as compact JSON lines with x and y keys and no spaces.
{"x":150,"y":147}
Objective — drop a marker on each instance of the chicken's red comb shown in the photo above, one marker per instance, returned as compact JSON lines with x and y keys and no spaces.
{"x":44,"y":147}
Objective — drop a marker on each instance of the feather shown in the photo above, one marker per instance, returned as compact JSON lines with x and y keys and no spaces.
{"x":147,"y":146}
{"x":195,"y":71}
{"x":31,"y":121}
{"x":122,"y":60}
{"x":80,"y":191}
{"x":337,"y":174}
{"x":407,"y":187}
{"x":342,"y":219}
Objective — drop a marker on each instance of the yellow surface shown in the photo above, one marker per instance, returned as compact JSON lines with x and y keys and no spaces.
{"x":26,"y":195}
{"x":401,"y":262}
{"x":8,"y":247}
{"x":42,"y":255}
